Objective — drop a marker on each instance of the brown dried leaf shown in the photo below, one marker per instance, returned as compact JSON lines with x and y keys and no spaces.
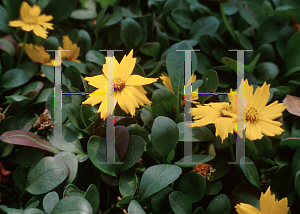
{"x":292,"y":104}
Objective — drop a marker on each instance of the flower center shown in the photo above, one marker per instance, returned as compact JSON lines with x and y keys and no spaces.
{"x":225,"y":108}
{"x":251,"y":114}
{"x":119,"y":84}
{"x":30,"y":19}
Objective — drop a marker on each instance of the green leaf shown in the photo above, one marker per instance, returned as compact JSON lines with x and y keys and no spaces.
{"x":32,"y":203}
{"x":283,"y":37}
{"x":60,"y":10}
{"x":297,"y":182}
{"x":72,"y":204}
{"x":186,"y":162}
{"x":193,"y":185}
{"x":198,"y":133}
{"x":183,"y":18}
{"x":164,"y":135}
{"x":151,"y":49}
{"x":199,"y":210}
{"x":213,"y":188}
{"x":268,"y":30}
{"x":279,"y":180}
{"x":128,"y":183}
{"x":250,"y":171}
{"x":162,"y":102}
{"x":33,"y":211}
{"x":293,"y":54}
{"x":70,"y":160}
{"x":13,"y":7}
{"x":203,"y":63}
{"x":106,"y":3}
{"x":204,"y":26}
{"x":220,"y":204}
{"x":251,"y":13}
{"x":20,"y":176}
{"x":180,"y":203}
{"x":83,"y":14}
{"x":157,"y":177}
{"x":15,"y":77}
{"x":7,"y":46}
{"x":135,"y":208}
{"x":292,"y":142}
{"x":47,"y":174}
{"x":210,"y":84}
{"x":49,"y":201}
{"x":266,"y":70}
{"x":248,"y":195}
{"x":26,"y":156}
{"x":285,"y":12}
{"x":134,"y":151}
{"x":220,"y":164}
{"x":175,"y":65}
{"x":95,"y":57}
{"x":15,"y":98}
{"x":92,"y":196}
{"x":97,"y":151}
{"x":135,"y":129}
{"x":84,"y":42}
{"x":161,"y":198}
{"x":131,"y":33}
{"x":73,"y":75}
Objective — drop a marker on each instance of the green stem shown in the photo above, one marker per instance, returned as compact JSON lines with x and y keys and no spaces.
{"x":227,"y":24}
{"x":231,"y":148}
{"x":5,"y":110}
{"x":23,"y":47}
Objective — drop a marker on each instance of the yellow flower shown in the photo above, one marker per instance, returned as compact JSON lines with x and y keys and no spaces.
{"x":32,"y":20}
{"x":37,"y":54}
{"x":71,"y":55}
{"x":220,"y":114}
{"x":258,"y":116}
{"x":128,"y":90}
{"x":167,"y":83}
{"x":268,"y":205}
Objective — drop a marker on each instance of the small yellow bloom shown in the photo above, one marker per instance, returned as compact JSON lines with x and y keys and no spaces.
{"x":167,"y":83}
{"x":32,"y":20}
{"x":73,"y":52}
{"x":128,"y":90}
{"x":258,"y":116}
{"x":37,"y":54}
{"x":220,"y":114}
{"x":268,"y":205}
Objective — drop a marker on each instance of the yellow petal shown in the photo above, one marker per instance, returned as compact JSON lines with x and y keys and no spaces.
{"x":103,"y":109}
{"x":39,"y":31}
{"x":261,"y":97}
{"x":280,"y":207}
{"x":98,"y":81}
{"x":223,"y":127}
{"x":127,"y":65}
{"x":248,"y":91}
{"x":35,"y":11}
{"x":274,"y":110}
{"x":132,"y":97}
{"x":266,"y":201}
{"x":116,"y":67}
{"x":25,"y":10}
{"x":141,"y":97}
{"x":270,"y":127}
{"x":209,"y":119}
{"x":246,"y":209}
{"x":136,"y":80}
{"x":27,"y":27}
{"x":16,"y":23}
{"x":127,"y":102}
{"x":253,"y":131}
{"x":95,"y":98}
{"x":167,"y":82}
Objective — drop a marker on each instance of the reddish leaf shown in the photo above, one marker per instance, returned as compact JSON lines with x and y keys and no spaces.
{"x":20,"y":137}
{"x":292,"y":104}
{"x":121,"y":140}
{"x":110,"y":180}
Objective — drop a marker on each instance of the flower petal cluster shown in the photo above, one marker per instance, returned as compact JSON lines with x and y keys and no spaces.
{"x":167,"y":83}
{"x":268,"y":205}
{"x":128,"y":89}
{"x":32,"y":20}
{"x":257,"y":115}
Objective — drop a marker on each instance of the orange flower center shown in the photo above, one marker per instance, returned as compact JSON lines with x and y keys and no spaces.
{"x":119,"y":84}
{"x":223,"y":110}
{"x":251,"y":114}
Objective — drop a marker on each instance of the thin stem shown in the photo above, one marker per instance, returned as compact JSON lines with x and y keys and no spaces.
{"x":23,"y":47}
{"x":227,"y":24}
{"x":5,"y":110}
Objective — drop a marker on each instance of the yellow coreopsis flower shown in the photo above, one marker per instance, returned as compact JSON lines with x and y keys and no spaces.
{"x":32,"y":20}
{"x":220,"y":114}
{"x":268,"y":205}
{"x":73,"y":52}
{"x":37,"y":54}
{"x":128,"y":90}
{"x":258,"y":115}
{"x":167,"y":83}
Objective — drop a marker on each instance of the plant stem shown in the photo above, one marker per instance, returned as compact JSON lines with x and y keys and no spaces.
{"x":227,"y":24}
{"x":23,"y":47}
{"x":5,"y":110}
{"x":177,"y":105}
